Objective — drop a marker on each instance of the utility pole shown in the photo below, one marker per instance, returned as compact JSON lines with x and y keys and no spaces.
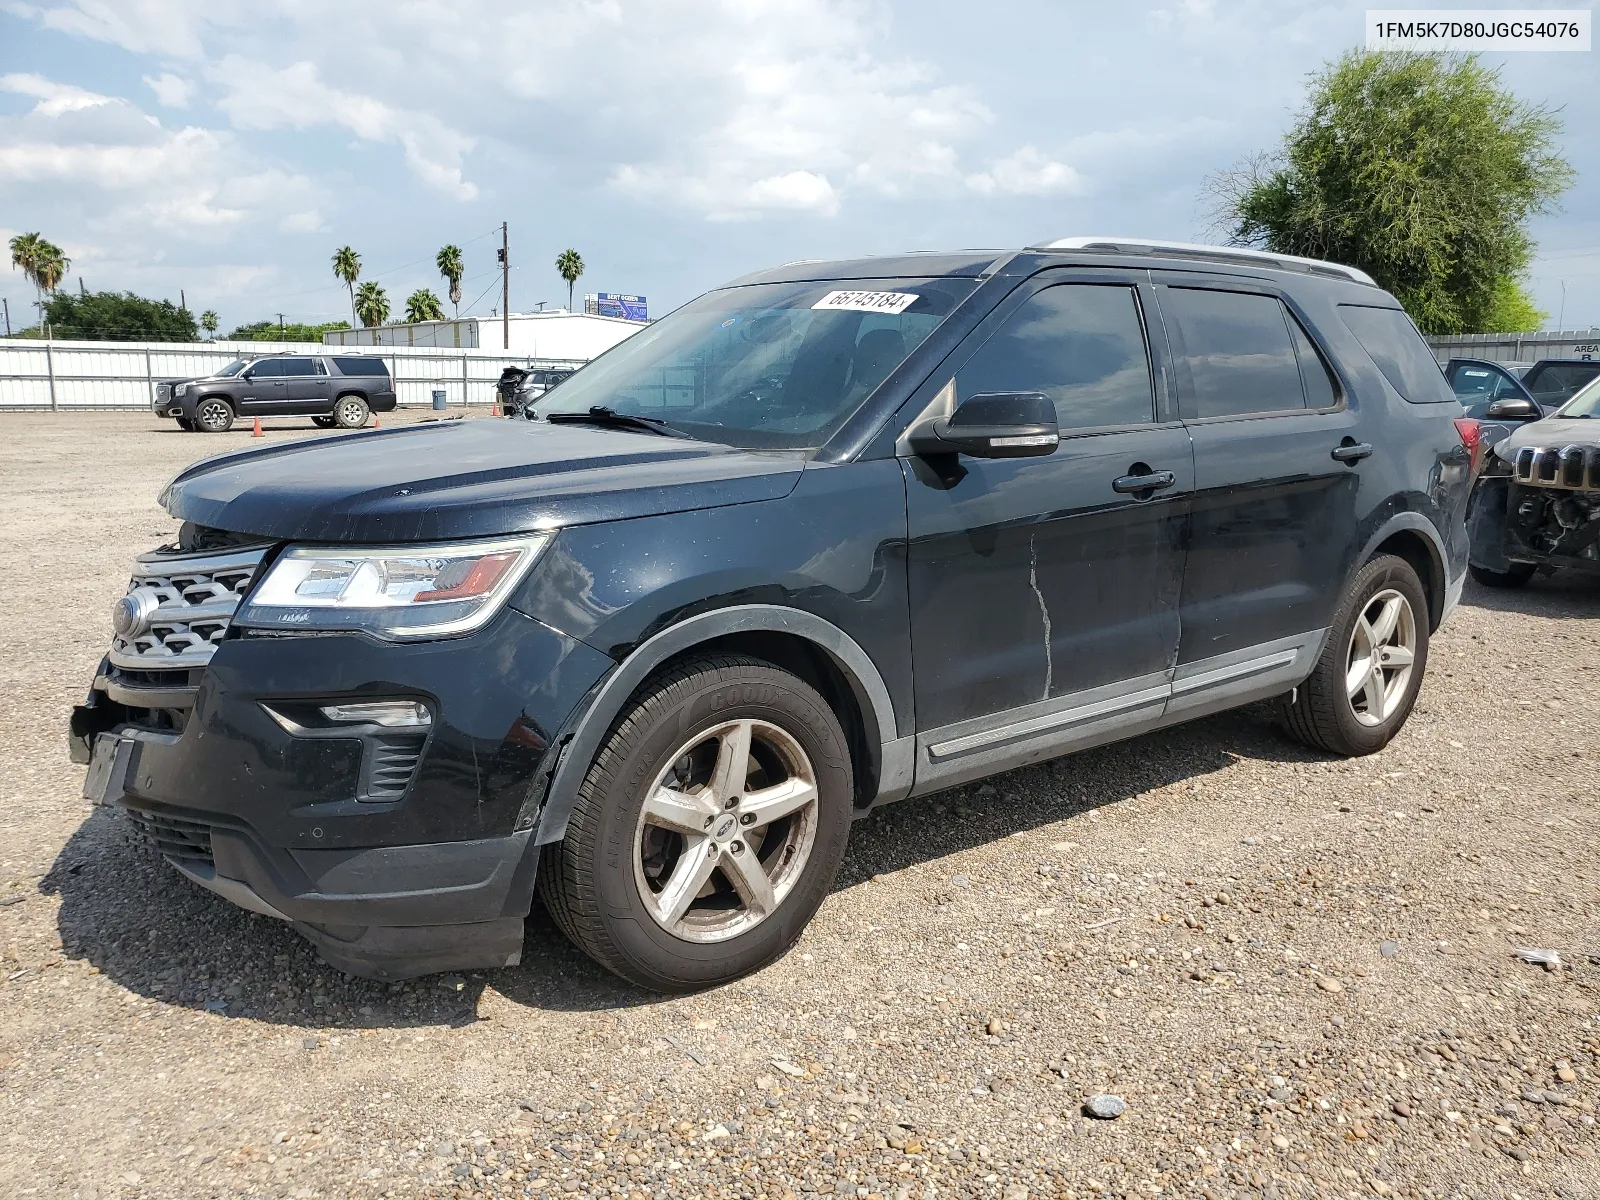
{"x":505,"y":288}
{"x":280,"y":327}
{"x":183,"y":301}
{"x":1561,"y":319}
{"x":7,"y":303}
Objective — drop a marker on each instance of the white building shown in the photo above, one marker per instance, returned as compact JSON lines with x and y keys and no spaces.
{"x":557,"y":334}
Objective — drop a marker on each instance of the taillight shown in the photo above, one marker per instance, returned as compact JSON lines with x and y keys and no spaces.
{"x":1472,"y":438}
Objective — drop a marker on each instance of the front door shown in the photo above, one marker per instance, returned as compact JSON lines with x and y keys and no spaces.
{"x":1044,"y":591}
{"x":1278,"y":463}
{"x":262,"y":393}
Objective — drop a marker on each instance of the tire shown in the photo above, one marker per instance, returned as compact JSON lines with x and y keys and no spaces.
{"x":324,"y":422}
{"x":185,"y":424}
{"x":213,"y":415}
{"x":611,"y":884}
{"x":350,"y":412}
{"x":1516,"y":576}
{"x":1324,"y":712}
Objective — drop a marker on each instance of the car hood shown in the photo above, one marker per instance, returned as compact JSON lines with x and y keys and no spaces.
{"x":467,"y":478}
{"x":1552,"y":431}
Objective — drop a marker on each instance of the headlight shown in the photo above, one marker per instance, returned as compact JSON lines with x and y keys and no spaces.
{"x":181,"y":389}
{"x":397,"y":592}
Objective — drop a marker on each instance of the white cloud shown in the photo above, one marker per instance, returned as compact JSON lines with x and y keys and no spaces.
{"x":170,"y":28}
{"x":262,"y":97}
{"x":171,"y":90}
{"x":54,"y":98}
{"x":1026,"y":173}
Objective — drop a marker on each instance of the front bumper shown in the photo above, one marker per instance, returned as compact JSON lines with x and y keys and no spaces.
{"x":396,"y":859}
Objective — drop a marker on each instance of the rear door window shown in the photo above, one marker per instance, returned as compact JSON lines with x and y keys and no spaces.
{"x":296,"y":367}
{"x":1553,"y":383}
{"x":1393,"y":343}
{"x":1080,"y":344}
{"x":1237,"y":352}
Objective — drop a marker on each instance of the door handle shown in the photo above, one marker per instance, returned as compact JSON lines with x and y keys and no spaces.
{"x":1151,"y":481}
{"x":1350,"y":452}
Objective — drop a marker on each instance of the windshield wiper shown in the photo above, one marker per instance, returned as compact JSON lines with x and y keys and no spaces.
{"x":612,"y":419}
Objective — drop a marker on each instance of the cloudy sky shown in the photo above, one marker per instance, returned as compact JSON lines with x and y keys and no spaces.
{"x":209,"y":146}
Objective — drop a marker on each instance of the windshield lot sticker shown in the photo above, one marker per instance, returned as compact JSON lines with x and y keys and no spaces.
{"x":893,"y":303}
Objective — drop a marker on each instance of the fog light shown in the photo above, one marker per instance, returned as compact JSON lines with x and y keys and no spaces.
{"x":391,"y":714}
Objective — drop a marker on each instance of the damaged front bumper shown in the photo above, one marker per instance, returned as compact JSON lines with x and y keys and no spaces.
{"x":398,"y":853}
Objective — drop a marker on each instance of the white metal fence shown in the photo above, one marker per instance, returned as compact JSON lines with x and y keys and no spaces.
{"x":1518,"y":347}
{"x":108,"y":375}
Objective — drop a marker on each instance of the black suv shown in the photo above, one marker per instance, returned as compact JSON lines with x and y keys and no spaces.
{"x":520,"y":387}
{"x":337,"y":391}
{"x":830,"y":536}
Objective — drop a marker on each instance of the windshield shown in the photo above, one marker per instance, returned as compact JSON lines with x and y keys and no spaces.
{"x":232,"y":368}
{"x":1586,"y":403}
{"x":770,"y":366}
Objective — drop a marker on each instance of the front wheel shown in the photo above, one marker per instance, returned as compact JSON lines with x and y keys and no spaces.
{"x":350,"y":412}
{"x":708,"y":829}
{"x":214,"y":416}
{"x":323,"y":422}
{"x":1371,"y":667}
{"x":185,"y":424}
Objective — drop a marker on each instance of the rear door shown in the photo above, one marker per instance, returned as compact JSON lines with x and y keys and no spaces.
{"x":1278,"y":456}
{"x":1044,"y":591}
{"x":306,"y":387}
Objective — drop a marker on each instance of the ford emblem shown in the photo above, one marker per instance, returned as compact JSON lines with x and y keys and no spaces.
{"x":131,"y":615}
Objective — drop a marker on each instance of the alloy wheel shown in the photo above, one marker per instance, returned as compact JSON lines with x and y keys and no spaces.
{"x":1383,"y":649}
{"x":725,"y":831}
{"x":214,"y":416}
{"x":350,"y":413}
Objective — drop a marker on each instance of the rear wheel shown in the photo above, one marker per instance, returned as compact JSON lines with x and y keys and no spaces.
{"x":708,"y":830}
{"x":1371,"y":667}
{"x":350,"y":412}
{"x":1515,"y":576}
{"x":214,"y":416}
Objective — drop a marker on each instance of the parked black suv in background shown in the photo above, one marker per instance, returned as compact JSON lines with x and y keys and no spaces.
{"x":334,"y":391}
{"x":833,"y":535}
{"x":520,"y":387}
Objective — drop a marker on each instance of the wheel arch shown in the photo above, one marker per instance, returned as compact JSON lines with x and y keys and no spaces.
{"x":803,"y":643}
{"x":1412,"y":537}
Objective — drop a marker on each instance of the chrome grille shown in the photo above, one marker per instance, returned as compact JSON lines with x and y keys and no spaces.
{"x":186,"y":604}
{"x":1573,"y":468}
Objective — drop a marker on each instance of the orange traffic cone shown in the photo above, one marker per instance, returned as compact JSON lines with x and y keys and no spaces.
{"x":256,"y":431}
{"x":376,"y":423}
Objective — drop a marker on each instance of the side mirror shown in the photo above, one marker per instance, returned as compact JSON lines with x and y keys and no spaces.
{"x":1513,"y":408}
{"x":993,"y":425}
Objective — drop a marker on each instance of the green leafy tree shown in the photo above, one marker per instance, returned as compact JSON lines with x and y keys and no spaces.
{"x":448,"y":260}
{"x":292,"y":331}
{"x":117,"y":317}
{"x":347,"y":266}
{"x":41,"y":262}
{"x":209,"y":322}
{"x":1512,"y":310}
{"x":1421,"y":170}
{"x":423,"y":305}
{"x":372,"y":305}
{"x":570,"y":265}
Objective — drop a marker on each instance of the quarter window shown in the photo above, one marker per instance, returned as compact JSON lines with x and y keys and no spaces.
{"x":1237,"y":352}
{"x":1392,"y":341}
{"x":1080,"y":344}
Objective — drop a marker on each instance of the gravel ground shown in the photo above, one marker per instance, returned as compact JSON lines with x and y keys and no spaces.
{"x":1296,"y":972}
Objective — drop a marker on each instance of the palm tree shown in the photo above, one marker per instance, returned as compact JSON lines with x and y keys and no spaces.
{"x":423,"y":305}
{"x":372,"y":304}
{"x":448,"y":260}
{"x":208,"y":322}
{"x":347,"y":266}
{"x":42,"y":263}
{"x":570,"y":265}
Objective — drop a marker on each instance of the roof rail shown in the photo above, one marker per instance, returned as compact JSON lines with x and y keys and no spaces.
{"x":1242,"y":254}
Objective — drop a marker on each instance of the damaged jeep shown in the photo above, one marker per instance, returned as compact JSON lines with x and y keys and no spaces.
{"x":1536,"y":506}
{"x":833,"y":535}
